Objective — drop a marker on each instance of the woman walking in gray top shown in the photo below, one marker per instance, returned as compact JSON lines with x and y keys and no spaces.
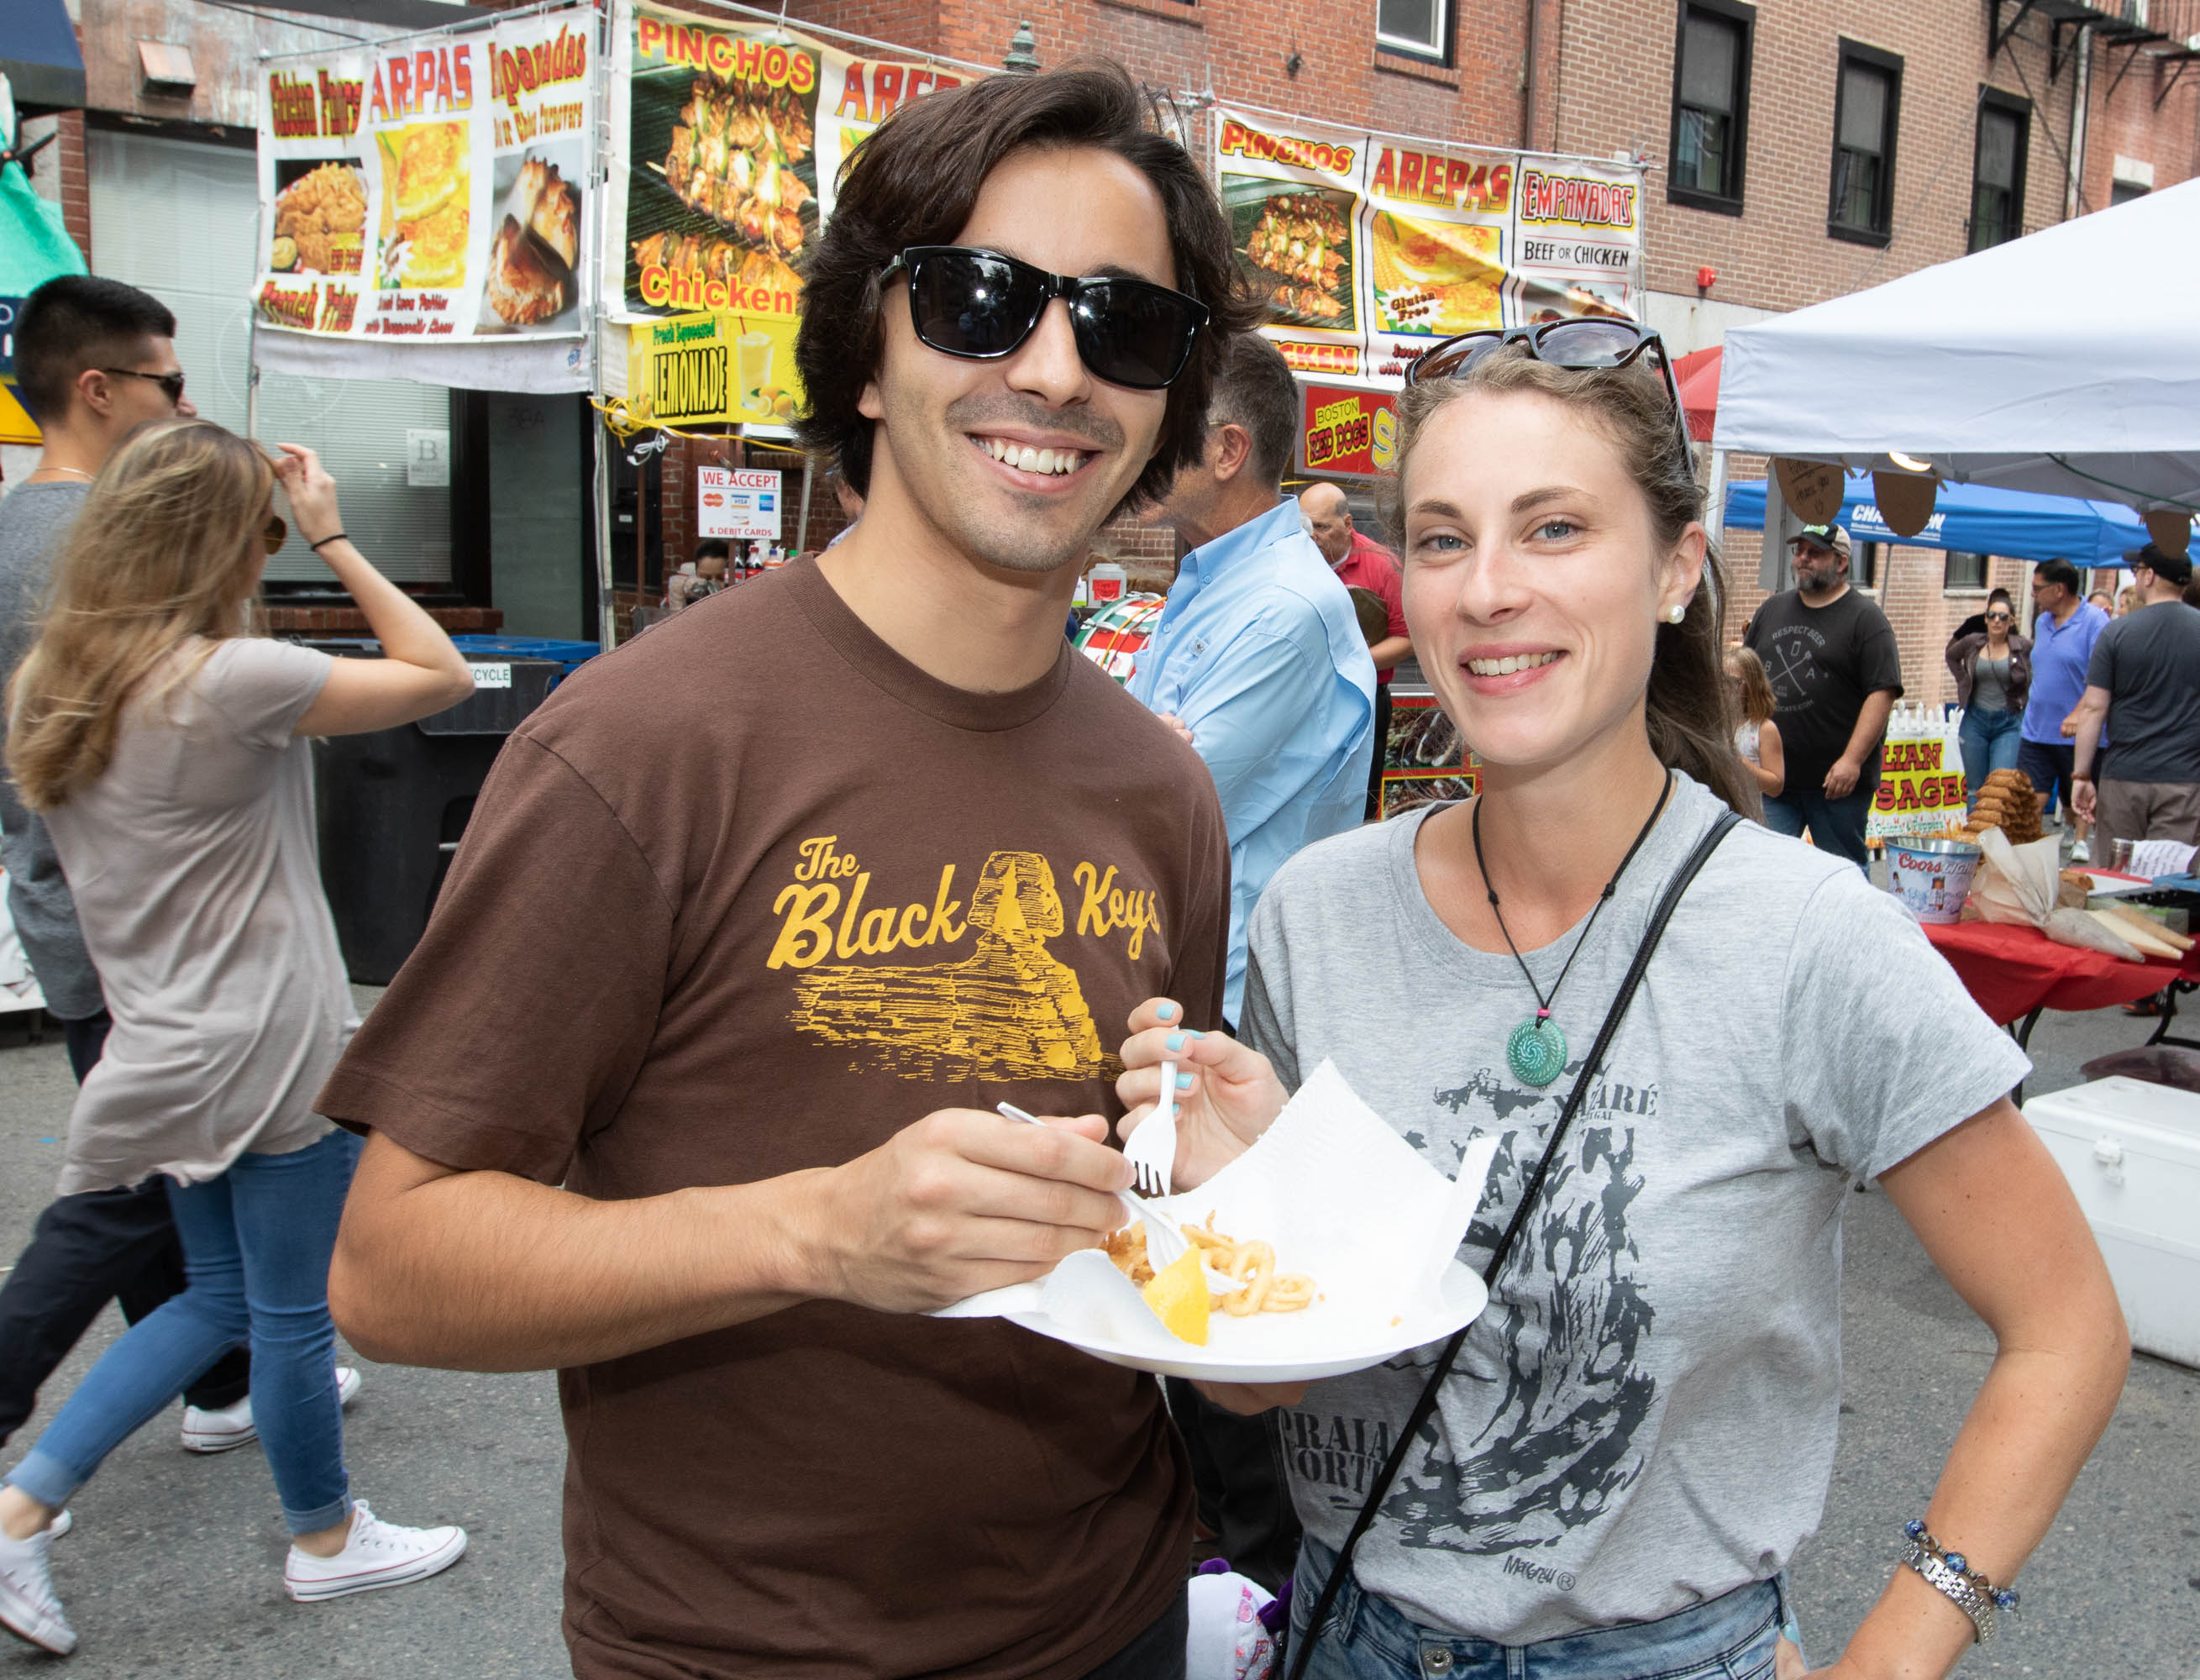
{"x":165,"y":746}
{"x":1992,"y":668}
{"x":1604,"y":1476}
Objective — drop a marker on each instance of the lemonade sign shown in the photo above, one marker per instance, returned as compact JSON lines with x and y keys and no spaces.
{"x":713,"y":368}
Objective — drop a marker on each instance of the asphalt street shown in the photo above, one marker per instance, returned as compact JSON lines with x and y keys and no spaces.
{"x":174,"y":1568}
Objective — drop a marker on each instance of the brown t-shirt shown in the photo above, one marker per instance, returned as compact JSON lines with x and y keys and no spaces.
{"x":749,"y":896}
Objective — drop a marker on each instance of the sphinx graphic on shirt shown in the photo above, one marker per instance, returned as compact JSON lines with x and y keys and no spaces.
{"x":1552,"y":1380}
{"x":988,"y":999}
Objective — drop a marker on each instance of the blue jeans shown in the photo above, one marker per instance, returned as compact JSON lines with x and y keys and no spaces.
{"x":1730,"y":1638}
{"x":1990,"y":740}
{"x":256,"y":1247}
{"x":1835,"y":825}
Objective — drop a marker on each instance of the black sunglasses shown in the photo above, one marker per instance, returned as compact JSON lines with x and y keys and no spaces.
{"x":1586,"y":345}
{"x":982,"y":305}
{"x":171,"y":384}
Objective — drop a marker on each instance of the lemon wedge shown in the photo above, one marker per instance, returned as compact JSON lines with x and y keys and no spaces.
{"x":1178,"y":1294}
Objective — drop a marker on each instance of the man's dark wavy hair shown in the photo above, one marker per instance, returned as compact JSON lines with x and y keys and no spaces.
{"x":914,"y":181}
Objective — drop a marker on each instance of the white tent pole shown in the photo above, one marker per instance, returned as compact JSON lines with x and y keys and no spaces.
{"x":1715,"y":499}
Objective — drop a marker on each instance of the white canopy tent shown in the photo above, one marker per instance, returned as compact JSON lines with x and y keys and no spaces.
{"x":2067,"y":362}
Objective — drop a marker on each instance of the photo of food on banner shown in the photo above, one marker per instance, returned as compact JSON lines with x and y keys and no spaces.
{"x":320,"y":216}
{"x":427,"y":205}
{"x":722,"y":194}
{"x":1296,"y":243}
{"x":533,"y":257}
{"x":1436,"y":241}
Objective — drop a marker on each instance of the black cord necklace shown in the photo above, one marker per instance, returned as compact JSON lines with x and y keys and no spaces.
{"x":1535,"y":1051}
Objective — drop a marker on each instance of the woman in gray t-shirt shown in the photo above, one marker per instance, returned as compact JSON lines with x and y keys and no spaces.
{"x":1639,"y":1432}
{"x":167,"y":750}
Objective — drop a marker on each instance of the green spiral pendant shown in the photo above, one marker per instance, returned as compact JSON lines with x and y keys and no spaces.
{"x":1536,"y":1051}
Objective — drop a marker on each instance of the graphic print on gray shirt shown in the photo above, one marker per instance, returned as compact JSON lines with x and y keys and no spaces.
{"x":34,"y":522}
{"x":1644,"y":1419}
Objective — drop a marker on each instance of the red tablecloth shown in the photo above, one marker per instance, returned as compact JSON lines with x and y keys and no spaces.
{"x":2012,"y":971}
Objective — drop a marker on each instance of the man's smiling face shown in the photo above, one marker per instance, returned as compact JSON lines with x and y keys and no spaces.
{"x":1016,"y":462}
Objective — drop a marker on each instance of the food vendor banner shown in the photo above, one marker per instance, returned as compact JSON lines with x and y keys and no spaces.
{"x":1921,"y":778}
{"x":1369,"y":249}
{"x":1347,"y":433}
{"x":728,"y":137}
{"x":431,"y":190}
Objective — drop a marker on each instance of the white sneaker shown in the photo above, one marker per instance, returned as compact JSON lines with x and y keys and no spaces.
{"x":28,"y":1608}
{"x":2081,"y":852}
{"x":232,"y":1427}
{"x":375,"y":1553}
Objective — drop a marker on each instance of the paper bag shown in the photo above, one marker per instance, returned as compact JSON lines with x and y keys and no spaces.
{"x":2017,"y":883}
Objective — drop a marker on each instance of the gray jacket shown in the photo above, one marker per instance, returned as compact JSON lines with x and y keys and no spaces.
{"x":34,"y":522}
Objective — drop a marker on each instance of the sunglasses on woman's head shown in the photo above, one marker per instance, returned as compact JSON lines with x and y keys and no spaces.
{"x":1591,"y":344}
{"x":982,"y":305}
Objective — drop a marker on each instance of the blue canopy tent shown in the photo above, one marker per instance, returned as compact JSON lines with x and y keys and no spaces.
{"x":1979,"y":519}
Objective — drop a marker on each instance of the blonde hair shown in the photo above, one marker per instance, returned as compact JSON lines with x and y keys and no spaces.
{"x":163,"y":550}
{"x":1758,"y":702}
{"x":1690,"y":723}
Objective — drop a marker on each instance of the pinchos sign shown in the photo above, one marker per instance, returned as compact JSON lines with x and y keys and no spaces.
{"x":733,"y":134}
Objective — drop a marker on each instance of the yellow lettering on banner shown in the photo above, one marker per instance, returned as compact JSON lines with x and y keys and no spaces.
{"x":808,"y":917}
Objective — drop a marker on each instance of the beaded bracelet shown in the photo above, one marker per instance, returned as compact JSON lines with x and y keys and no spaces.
{"x":1950,"y":1573}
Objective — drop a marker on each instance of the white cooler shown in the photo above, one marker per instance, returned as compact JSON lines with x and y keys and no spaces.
{"x":2131,"y":1153}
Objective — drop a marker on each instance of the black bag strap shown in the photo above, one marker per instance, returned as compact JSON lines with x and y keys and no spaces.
{"x":1426,"y":1404}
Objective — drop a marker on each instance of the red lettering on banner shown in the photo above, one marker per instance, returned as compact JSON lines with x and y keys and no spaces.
{"x":886,"y":91}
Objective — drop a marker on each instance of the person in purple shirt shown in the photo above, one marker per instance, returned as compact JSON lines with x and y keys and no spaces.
{"x":2061,"y":644}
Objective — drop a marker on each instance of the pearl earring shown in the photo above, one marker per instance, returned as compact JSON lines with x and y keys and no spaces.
{"x":1674,"y":615}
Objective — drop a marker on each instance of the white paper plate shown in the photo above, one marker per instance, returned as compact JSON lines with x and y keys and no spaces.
{"x":1235,"y":1352}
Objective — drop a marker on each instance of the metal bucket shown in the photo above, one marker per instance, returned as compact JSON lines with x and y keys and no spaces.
{"x":1932,"y":877}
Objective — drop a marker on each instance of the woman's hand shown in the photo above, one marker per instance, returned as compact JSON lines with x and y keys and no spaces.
{"x":1227,"y":1094}
{"x":312,"y":493}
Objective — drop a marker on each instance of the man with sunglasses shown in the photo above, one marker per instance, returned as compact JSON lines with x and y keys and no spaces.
{"x":918,"y":858}
{"x":1836,"y":673}
{"x":94,"y":360}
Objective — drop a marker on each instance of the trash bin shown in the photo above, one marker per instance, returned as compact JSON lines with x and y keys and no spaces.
{"x":393,"y":804}
{"x":571,"y":654}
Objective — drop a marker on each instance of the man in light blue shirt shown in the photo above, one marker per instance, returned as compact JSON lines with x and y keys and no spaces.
{"x":2063,"y":641}
{"x":1258,"y":655}
{"x":1259,"y":660}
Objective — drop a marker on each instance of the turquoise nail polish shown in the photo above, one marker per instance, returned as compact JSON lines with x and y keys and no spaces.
{"x":1176,"y":1041}
{"x":1183,"y":1082}
{"x":1166,"y":1011}
{"x":1199,"y":1035}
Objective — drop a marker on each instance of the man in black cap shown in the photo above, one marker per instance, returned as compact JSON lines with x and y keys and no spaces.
{"x":1836,"y":674}
{"x":2144,"y":683}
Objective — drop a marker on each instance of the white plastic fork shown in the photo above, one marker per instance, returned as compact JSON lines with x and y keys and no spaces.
{"x":1151,"y":1150}
{"x":1165,"y":1243}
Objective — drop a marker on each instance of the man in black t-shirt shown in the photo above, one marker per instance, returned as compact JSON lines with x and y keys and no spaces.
{"x":2144,"y":683}
{"x":1836,"y":674}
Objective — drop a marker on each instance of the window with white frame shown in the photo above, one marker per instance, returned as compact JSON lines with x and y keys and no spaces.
{"x":1420,"y":27}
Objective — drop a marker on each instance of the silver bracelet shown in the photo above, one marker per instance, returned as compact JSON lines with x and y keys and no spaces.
{"x":1951,"y":1574}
